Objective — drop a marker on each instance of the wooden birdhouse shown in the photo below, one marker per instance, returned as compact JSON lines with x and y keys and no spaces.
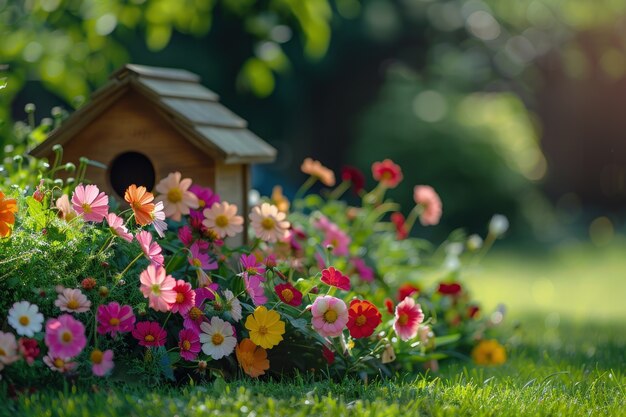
{"x":147,"y":122}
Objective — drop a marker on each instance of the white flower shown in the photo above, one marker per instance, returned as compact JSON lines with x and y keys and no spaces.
{"x":158,"y":215}
{"x":498,"y":225}
{"x":474,"y":242}
{"x":217,"y":338}
{"x":233,"y":306}
{"x":25,"y":318}
{"x":268,"y":223}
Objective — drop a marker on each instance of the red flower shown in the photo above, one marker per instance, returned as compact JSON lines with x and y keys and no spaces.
{"x":29,"y":349}
{"x":472,"y":311}
{"x":398,"y":219}
{"x":288,"y":294}
{"x":449,"y":289}
{"x":407,"y":290}
{"x":328,"y":354}
{"x":335,"y":278}
{"x":363,"y":318}
{"x":355,"y":176}
{"x":387,"y":172}
{"x":390,"y":307}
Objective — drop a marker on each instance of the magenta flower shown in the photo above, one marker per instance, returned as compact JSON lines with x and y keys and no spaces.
{"x":408,"y":318}
{"x":151,"y":249}
{"x":149,"y":333}
{"x":113,"y":318}
{"x":101,"y":362}
{"x":185,"y":235}
{"x":189,"y":344}
{"x":335,"y":278}
{"x":427,"y":197}
{"x":200,"y":259}
{"x":185,"y":297}
{"x":252,"y":267}
{"x":336,"y":238}
{"x":195,"y":316}
{"x":116,"y":224}
{"x":254,"y":288}
{"x":365,"y":272}
{"x":89,"y":202}
{"x":158,"y":288}
{"x":330,"y":316}
{"x":65,"y":336}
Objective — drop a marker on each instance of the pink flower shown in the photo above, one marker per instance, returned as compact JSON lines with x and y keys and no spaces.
{"x":269,"y":223}
{"x":222,"y":219}
{"x":365,"y":272}
{"x":408,"y":318}
{"x":185,"y":235}
{"x":189,"y":344}
{"x":387,"y":173}
{"x":252,"y":267}
{"x":185,"y":297}
{"x":175,"y":195}
{"x":101,"y":362}
{"x":151,"y":249}
{"x":158,"y":219}
{"x":195,"y":316}
{"x":8,"y":349}
{"x":158,"y":288}
{"x":427,"y":197}
{"x":59,"y":364}
{"x":199,"y":259}
{"x":149,"y":333}
{"x":330,"y":316}
{"x":335,"y":278}
{"x":66,"y":211}
{"x":206,"y":198}
{"x":116,"y":224}
{"x":113,"y":318}
{"x":89,"y":202}
{"x":65,"y":336}
{"x":254,"y":287}
{"x":72,"y":301}
{"x":339,"y":241}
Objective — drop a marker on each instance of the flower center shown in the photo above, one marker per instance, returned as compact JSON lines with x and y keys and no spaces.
{"x":86,"y":208}
{"x":195,"y":313}
{"x":186,"y":345}
{"x":287,"y":295}
{"x":175,"y":195}
{"x":59,"y":363}
{"x":96,"y":356}
{"x":196,"y":262}
{"x":361,"y":320}
{"x":156,"y":289}
{"x":73,"y":304}
{"x":263,"y":330}
{"x":252,"y":271}
{"x":148,"y":338}
{"x":137,"y":205}
{"x":221,"y":221}
{"x":114,"y":321}
{"x":2,"y":352}
{"x":24,"y":321}
{"x":180,"y":297}
{"x":330,"y":316}
{"x":403,"y":319}
{"x":66,"y":337}
{"x":268,"y":223}
{"x":201,"y":203}
{"x":217,"y":339}
{"x":387,"y":175}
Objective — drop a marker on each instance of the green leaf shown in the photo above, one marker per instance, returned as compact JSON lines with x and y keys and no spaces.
{"x":446,"y":340}
{"x":35,"y":211}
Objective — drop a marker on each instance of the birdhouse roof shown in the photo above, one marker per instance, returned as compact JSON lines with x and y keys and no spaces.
{"x":192,"y":109}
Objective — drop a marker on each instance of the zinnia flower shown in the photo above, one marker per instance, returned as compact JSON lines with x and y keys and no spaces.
{"x":363,"y":318}
{"x":355,"y":176}
{"x":151,"y":249}
{"x":66,"y":211}
{"x":176,"y":196}
{"x":89,"y":202}
{"x":8,"y":349}
{"x":489,"y":352}
{"x":316,"y":169}
{"x":140,"y":201}
{"x":427,"y":197}
{"x":452,"y":289}
{"x":252,"y":358}
{"x":222,"y":219}
{"x":29,"y":349}
{"x":185,"y":297}
{"x":158,"y":288}
{"x":407,"y":290}
{"x":268,"y":223}
{"x":8,"y":208}
{"x":217,"y":338}
{"x":288,"y":294}
{"x":65,"y":336}
{"x":189,"y":344}
{"x":387,"y":173}
{"x":116,"y":224}
{"x":101,"y":362}
{"x":254,"y":288}
{"x":330,"y":316}
{"x":59,"y":364}
{"x":266,"y":328}
{"x":233,"y":305}
{"x":113,"y":318}
{"x":72,"y":300}
{"x":252,"y":267}
{"x":408,"y":318}
{"x":25,"y":318}
{"x":149,"y":333}
{"x":335,"y":278}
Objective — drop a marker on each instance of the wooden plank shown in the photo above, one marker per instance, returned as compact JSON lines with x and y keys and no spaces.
{"x":178,"y":89}
{"x":156,"y":72}
{"x":239,"y":145}
{"x":204,"y":112}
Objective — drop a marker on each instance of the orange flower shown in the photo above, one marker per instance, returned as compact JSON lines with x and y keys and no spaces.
{"x":140,"y":201}
{"x":316,"y":169}
{"x":252,"y":358}
{"x":7,"y":218}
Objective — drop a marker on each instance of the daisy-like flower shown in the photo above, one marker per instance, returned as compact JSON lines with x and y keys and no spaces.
{"x":8,"y":208}
{"x":89,"y":202}
{"x":113,"y":318}
{"x":158,"y":219}
{"x":427,"y":197}
{"x":65,"y":336}
{"x":101,"y":362}
{"x":252,"y":358}
{"x":66,"y":211}
{"x":254,"y":288}
{"x":363,"y":318}
{"x":338,"y":239}
{"x":222,"y":219}
{"x":158,"y":288}
{"x":176,"y":196}
{"x":8,"y":349}
{"x":149,"y":333}
{"x":233,"y":305}
{"x":185,"y":297}
{"x":151,"y":249}
{"x":195,"y":316}
{"x":409,"y":316}
{"x":387,"y":173}
{"x":268,"y":223}
{"x":140,"y":201}
{"x":29,"y":349}
{"x":72,"y":300}
{"x":315,"y":169}
{"x":217,"y":338}
{"x":489,"y":352}
{"x":206,"y":197}
{"x":116,"y":224}
{"x":252,"y":267}
{"x":59,"y":364}
{"x":25,"y":318}
{"x":335,"y":278}
{"x":189,"y":344}
{"x":288,"y":294}
{"x":330,"y":316}
{"x":266,"y":328}
{"x":200,"y":259}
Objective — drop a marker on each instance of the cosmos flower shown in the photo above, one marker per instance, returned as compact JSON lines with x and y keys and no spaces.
{"x":140,"y":201}
{"x":89,"y":202}
{"x":25,"y":318}
{"x":158,"y":288}
{"x":222,"y":219}
{"x":175,"y":194}
{"x":268,"y":223}
{"x":65,"y":336}
{"x":217,"y":338}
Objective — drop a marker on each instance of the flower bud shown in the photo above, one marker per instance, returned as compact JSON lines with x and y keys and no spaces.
{"x":474,"y":242}
{"x":498,"y":225}
{"x":103,"y":292}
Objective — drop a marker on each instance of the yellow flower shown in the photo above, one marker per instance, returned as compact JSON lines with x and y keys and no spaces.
{"x":489,"y":352}
{"x":279,"y":199}
{"x":265,"y":327}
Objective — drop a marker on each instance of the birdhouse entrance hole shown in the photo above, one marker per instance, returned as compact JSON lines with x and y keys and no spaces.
{"x":131,"y":168}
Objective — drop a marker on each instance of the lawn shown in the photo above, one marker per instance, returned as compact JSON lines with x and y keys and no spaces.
{"x":564,"y":333}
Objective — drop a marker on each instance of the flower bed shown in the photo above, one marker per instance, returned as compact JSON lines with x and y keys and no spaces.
{"x":150,"y":290}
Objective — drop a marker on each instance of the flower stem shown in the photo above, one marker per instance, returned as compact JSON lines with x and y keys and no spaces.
{"x":121,"y":274}
{"x":305,"y":187}
{"x":340,"y":190}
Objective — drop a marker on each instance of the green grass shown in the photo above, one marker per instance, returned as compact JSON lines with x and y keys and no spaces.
{"x":565,"y":340}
